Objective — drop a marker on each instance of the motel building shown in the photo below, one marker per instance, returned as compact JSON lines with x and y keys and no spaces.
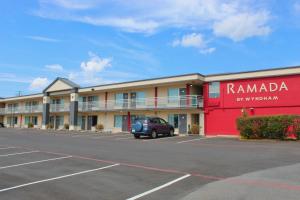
{"x":213,"y":102}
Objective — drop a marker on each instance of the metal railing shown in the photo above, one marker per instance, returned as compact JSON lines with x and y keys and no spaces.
{"x":191,"y":101}
{"x":60,"y":107}
{"x":21,"y":109}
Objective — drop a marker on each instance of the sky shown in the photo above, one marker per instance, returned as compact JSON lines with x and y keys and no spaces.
{"x":94,"y":42}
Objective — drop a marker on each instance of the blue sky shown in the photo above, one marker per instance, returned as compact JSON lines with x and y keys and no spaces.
{"x":103,"y":41}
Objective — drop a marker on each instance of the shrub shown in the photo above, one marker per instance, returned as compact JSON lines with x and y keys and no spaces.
{"x":66,"y":126}
{"x":195,"y":129}
{"x":270,"y":127}
{"x":99,"y":127}
{"x":49,"y":126}
{"x":30,"y":125}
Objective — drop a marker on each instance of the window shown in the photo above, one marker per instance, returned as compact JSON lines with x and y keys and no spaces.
{"x":118,"y":121}
{"x":27,"y":120}
{"x":35,"y":120}
{"x":173,"y":94}
{"x":173,"y":120}
{"x":161,"y":121}
{"x":119,"y":99}
{"x":140,"y":98}
{"x":214,"y":90}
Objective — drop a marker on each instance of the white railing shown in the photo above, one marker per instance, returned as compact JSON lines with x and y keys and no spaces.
{"x":22,"y":109}
{"x":191,"y":101}
{"x":60,"y":107}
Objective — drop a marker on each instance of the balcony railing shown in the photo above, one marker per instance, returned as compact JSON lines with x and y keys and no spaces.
{"x":60,"y":107}
{"x":22,"y":109}
{"x":191,"y":101}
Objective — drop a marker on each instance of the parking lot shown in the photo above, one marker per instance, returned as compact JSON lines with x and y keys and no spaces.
{"x":36,"y":164}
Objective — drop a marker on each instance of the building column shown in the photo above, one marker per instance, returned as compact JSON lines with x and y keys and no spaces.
{"x":73,"y":109}
{"x":128,"y":121}
{"x":46,"y":111}
{"x":188,"y":93}
{"x":155,"y":97}
{"x":202,"y":123}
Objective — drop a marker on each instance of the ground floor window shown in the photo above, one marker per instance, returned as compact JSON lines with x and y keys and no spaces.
{"x":12,"y":120}
{"x":173,"y":120}
{"x":27,"y":120}
{"x":35,"y":120}
{"x":118,"y":121}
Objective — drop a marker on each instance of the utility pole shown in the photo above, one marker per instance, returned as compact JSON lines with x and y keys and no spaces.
{"x":19,"y":93}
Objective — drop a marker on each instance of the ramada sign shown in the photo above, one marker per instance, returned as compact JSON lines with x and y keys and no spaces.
{"x":256,"y":91}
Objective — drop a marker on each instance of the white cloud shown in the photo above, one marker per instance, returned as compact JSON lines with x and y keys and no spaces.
{"x":71,"y":4}
{"x":297,"y":7}
{"x":42,"y":38}
{"x":195,"y":40}
{"x":191,"y":40}
{"x":9,"y":77}
{"x":95,"y":64}
{"x":208,"y":50}
{"x":54,"y":67}
{"x":151,"y":16}
{"x":39,"y":83}
{"x":241,"y":26}
{"x":90,"y":70}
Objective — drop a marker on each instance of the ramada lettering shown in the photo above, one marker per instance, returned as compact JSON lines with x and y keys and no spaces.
{"x":254,"y":88}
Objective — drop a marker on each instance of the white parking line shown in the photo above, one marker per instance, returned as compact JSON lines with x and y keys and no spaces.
{"x":161,"y":138}
{"x":124,"y":138}
{"x":159,"y":187}
{"x":109,"y":136}
{"x":56,"y":178}
{"x":2,"y":148}
{"x":12,"y":154}
{"x":34,"y":162}
{"x":184,"y":141}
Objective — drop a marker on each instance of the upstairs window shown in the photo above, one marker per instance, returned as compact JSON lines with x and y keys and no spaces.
{"x":214,"y":89}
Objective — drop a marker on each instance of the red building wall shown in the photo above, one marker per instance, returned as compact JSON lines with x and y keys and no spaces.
{"x":261,"y":96}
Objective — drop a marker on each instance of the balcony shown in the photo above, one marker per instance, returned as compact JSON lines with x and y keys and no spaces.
{"x":60,"y":107}
{"x":21,"y":110}
{"x":176,"y":102}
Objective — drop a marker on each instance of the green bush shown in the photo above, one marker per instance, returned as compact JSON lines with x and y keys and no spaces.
{"x":195,"y":129}
{"x":66,"y":126}
{"x":270,"y":127}
{"x":99,"y":127}
{"x":49,"y":126}
{"x":30,"y":125}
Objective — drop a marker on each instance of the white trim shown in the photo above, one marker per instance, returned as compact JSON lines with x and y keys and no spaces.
{"x":159,"y":187}
{"x":254,"y":74}
{"x":56,"y":178}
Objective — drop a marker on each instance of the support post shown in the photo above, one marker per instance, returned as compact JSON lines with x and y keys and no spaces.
{"x":73,"y":109}
{"x":46,"y":111}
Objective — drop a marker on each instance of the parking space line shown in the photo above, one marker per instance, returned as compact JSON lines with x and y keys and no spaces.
{"x":108,"y":136}
{"x":124,"y":138}
{"x":34,"y":162}
{"x":159,"y":187}
{"x":157,"y":139}
{"x":2,"y":148}
{"x":184,"y":141}
{"x":13,"y":154}
{"x":56,"y":178}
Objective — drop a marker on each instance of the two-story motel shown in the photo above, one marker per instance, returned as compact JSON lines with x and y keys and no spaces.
{"x":211,"y":101}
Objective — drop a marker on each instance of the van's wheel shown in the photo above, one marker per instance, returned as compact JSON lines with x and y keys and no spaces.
{"x":153,"y":134}
{"x":136,"y":136}
{"x":171,"y":134}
